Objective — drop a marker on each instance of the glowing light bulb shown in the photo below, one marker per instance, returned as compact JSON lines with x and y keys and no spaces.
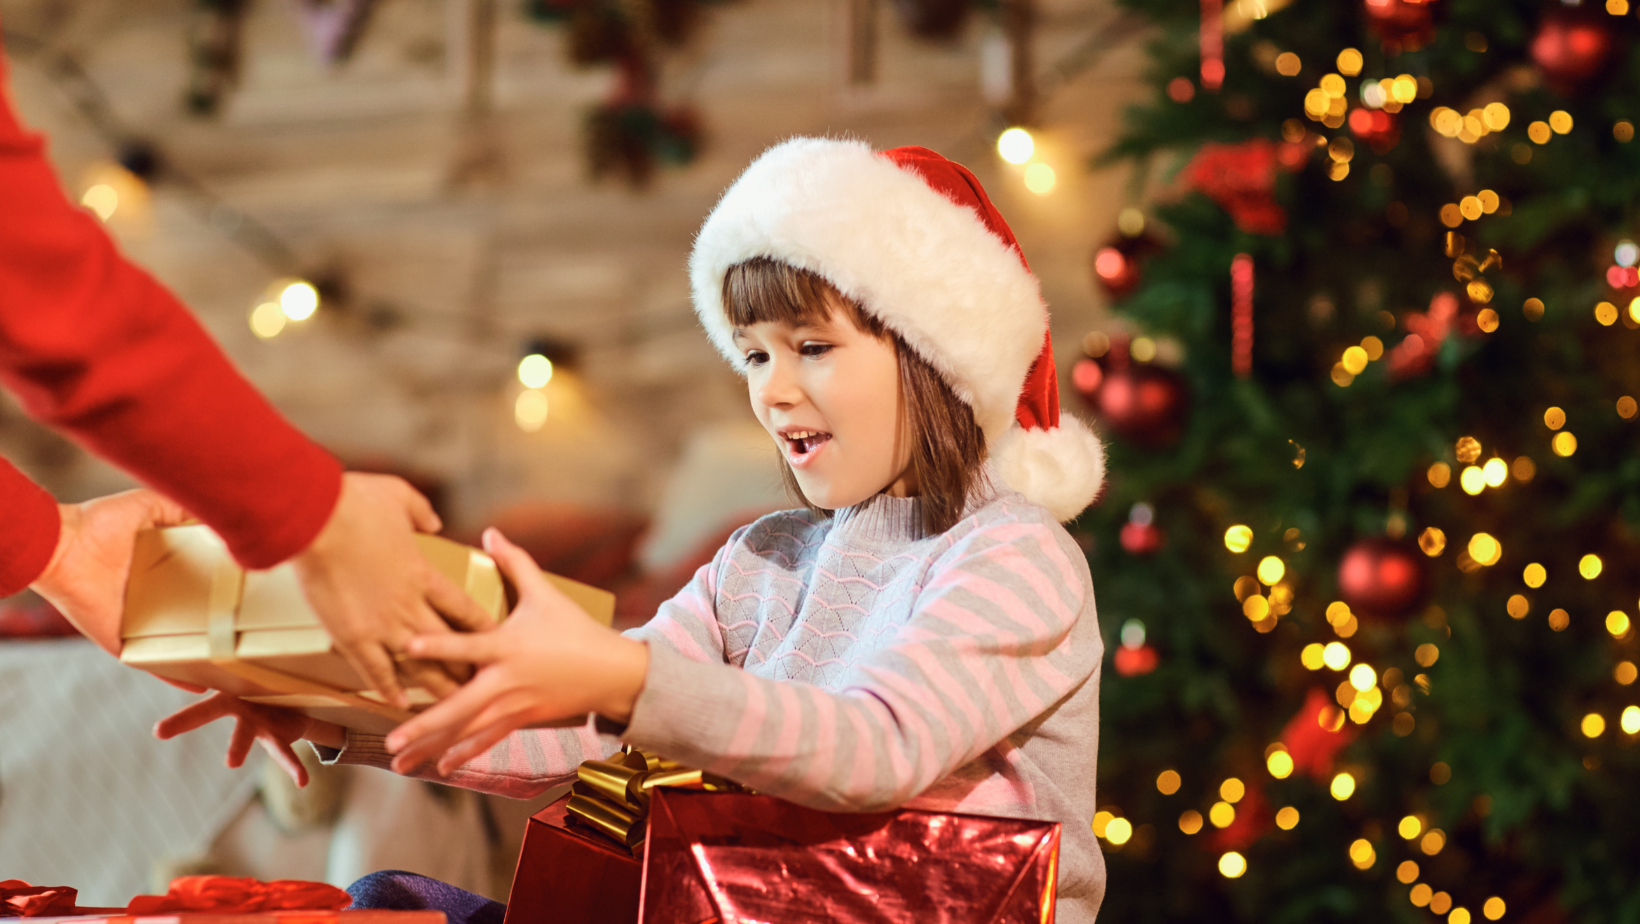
{"x":1280,"y":764}
{"x":1473,"y":479}
{"x":1016,"y":145}
{"x":1363,"y":677}
{"x":1336,"y":655}
{"x":1040,"y":178}
{"x":1167,"y":783}
{"x":1534,"y":575}
{"x":1343,"y":786}
{"x":1232,"y":790}
{"x":1494,"y":908}
{"x":1287,"y":818}
{"x":1271,"y":570}
{"x":1485,"y":549}
{"x":1410,"y":827}
{"x":267,"y":320}
{"x":1232,"y":865}
{"x":1238,"y":538}
{"x":299,"y":300}
{"x":102,"y":199}
{"x":1617,"y":623}
{"x":1630,"y":721}
{"x":1311,"y":656}
{"x":1593,"y":725}
{"x":1589,"y":566}
{"x":1362,"y":854}
{"x":535,"y":371}
{"x":530,"y":410}
{"x":1119,"y":831}
{"x":1495,"y":471}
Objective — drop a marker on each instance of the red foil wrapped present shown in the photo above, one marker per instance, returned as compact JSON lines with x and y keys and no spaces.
{"x":572,"y":875}
{"x":737,"y":858}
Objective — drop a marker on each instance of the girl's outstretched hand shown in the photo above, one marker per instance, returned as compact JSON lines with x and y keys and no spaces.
{"x":274,"y":727}
{"x":549,"y":660}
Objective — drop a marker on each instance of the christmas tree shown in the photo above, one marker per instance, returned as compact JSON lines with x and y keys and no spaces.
{"x":1366,"y":558}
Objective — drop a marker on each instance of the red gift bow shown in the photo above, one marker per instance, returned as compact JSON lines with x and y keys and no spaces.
{"x":233,"y":895}
{"x":18,"y":899}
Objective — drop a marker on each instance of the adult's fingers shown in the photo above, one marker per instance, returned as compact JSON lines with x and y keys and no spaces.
{"x":455,"y":605}
{"x":420,"y":509}
{"x":375,"y":665}
{"x":431,"y":676}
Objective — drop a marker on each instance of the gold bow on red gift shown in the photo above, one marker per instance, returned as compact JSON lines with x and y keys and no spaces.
{"x":612,"y":796}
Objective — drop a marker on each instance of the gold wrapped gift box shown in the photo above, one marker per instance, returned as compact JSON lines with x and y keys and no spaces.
{"x":192,"y":614}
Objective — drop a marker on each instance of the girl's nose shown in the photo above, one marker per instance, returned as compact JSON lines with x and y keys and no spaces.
{"x":777,"y":388}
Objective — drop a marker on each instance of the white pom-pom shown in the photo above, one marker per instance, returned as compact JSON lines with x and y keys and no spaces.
{"x":1062,"y":469}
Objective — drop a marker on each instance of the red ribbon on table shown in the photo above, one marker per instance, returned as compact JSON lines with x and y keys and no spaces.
{"x":233,"y":895}
{"x":18,"y":899}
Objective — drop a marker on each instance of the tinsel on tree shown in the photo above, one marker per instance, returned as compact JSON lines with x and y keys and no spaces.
{"x":1366,"y":561}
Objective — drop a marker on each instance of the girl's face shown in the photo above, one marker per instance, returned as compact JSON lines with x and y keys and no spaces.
{"x":829,"y":394}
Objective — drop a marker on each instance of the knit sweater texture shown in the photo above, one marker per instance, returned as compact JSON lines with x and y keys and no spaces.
{"x":852,"y":663}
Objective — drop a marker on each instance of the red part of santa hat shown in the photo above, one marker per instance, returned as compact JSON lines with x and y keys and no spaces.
{"x":912,"y":237}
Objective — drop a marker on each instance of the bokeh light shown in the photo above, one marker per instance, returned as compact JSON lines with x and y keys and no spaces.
{"x":535,"y":371}
{"x":1343,"y":786}
{"x":1238,"y":538}
{"x":1232,"y":865}
{"x":1016,"y":145}
{"x":1167,"y":782}
{"x":267,"y":320}
{"x":299,"y":300}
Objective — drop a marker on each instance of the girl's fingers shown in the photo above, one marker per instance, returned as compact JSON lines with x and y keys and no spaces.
{"x":471,"y":747}
{"x":440,"y":725}
{"x":515,"y":563}
{"x":476,"y":648}
{"x":190,"y":717}
{"x":239,"y":746}
{"x":282,"y":754}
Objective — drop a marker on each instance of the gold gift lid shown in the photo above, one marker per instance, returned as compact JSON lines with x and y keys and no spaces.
{"x":192,"y":614}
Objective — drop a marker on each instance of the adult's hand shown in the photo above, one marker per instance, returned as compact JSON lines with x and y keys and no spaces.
{"x":374,"y":591}
{"x":86,"y":577}
{"x":549,"y":660}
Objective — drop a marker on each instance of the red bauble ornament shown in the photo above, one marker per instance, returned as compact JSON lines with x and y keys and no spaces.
{"x":1401,"y":25}
{"x":1383,"y":578}
{"x":1140,"y":535}
{"x":1143,"y":403}
{"x":1376,"y":128}
{"x":1134,"y":662}
{"x":1571,"y":48}
{"x":1117,"y":263}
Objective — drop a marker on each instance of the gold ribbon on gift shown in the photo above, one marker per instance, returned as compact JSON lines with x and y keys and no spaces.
{"x":612,"y":796}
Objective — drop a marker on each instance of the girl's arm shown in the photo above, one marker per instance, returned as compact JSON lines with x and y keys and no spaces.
{"x":1003,"y":630}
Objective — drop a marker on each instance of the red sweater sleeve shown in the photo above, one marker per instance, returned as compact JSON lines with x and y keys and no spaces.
{"x":97,"y":349}
{"x":28,"y":529}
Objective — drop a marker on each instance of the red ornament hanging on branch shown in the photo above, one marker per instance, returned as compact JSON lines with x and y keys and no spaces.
{"x":1143,"y":403}
{"x":1572,"y":49}
{"x":1140,"y":535}
{"x":1212,"y":44}
{"x":1401,"y":25}
{"x":1376,"y":128}
{"x":1383,"y":578}
{"x":1117,"y":263}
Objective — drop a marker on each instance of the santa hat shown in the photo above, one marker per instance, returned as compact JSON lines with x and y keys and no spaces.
{"x":912,"y":238}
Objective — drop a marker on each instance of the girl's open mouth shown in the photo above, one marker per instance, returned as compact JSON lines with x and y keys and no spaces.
{"x":801,"y":445}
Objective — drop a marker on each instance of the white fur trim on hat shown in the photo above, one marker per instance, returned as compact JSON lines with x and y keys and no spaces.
{"x":927,"y":266}
{"x":1062,"y":469}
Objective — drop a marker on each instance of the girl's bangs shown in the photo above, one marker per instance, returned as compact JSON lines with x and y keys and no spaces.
{"x":764,"y":289}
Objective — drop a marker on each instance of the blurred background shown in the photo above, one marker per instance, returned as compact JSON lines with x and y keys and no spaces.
{"x":448,"y":239}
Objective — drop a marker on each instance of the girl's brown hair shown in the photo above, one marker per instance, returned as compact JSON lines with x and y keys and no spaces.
{"x":947,"y":448}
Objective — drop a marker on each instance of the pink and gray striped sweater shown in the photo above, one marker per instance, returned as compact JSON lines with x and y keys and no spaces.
{"x":855,"y":664}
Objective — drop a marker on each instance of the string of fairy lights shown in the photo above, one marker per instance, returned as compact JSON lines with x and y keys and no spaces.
{"x":1267,"y":594}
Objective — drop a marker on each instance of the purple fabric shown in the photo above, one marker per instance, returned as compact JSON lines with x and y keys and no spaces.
{"x":397,"y":890}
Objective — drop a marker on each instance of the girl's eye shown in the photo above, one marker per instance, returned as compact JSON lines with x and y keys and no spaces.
{"x":756,"y":357}
{"x":815,"y":349}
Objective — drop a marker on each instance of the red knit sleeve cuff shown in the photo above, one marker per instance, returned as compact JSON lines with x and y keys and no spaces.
{"x":28,"y":529}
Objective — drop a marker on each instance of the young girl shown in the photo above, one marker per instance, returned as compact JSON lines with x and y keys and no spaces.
{"x":923,"y":634}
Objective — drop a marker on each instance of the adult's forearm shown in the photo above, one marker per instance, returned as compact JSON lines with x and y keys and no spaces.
{"x":97,"y":349}
{"x":29,"y":525}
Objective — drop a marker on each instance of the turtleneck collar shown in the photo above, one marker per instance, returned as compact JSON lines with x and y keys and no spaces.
{"x":881,"y":518}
